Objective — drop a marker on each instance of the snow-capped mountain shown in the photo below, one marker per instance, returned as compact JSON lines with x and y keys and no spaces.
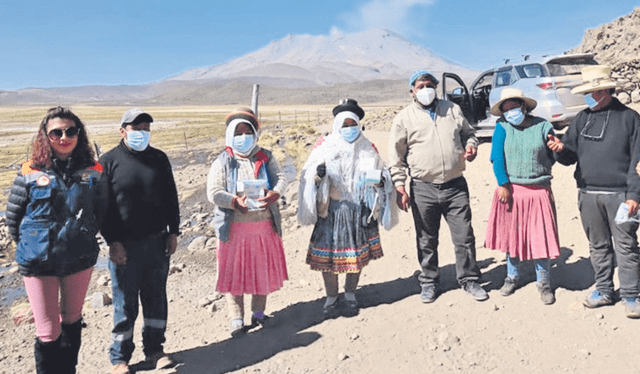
{"x":306,"y":60}
{"x":297,"y":69}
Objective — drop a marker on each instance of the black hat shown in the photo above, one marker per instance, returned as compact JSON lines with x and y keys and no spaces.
{"x":349,"y":105}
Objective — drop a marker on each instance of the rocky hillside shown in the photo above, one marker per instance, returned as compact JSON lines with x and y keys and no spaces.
{"x":618,"y":44}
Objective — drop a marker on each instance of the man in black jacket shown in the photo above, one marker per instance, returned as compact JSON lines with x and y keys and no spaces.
{"x":141,"y":229}
{"x":604,"y":140}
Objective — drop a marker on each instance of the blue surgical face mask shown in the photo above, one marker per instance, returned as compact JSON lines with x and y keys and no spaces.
{"x":243,"y":144}
{"x":590,"y":100}
{"x":350,"y":134}
{"x":514,"y":116}
{"x":138,"y":140}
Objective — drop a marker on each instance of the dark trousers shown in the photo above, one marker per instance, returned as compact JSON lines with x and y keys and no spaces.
{"x":429,"y":203}
{"x":597,"y":212}
{"x":144,"y":275}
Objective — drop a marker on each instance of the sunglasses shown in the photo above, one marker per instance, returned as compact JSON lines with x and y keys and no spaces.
{"x":585,"y":131}
{"x":56,"y":134}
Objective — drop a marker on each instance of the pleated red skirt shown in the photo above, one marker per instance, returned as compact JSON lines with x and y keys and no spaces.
{"x":526,"y":229}
{"x":252,"y":261}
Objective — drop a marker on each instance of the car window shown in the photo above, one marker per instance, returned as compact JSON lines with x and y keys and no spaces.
{"x":531,"y":71}
{"x":569,"y":66}
{"x":505,"y":77}
{"x":484,"y":80}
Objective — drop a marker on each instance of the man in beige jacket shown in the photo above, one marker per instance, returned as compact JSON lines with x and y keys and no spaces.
{"x":429,"y":141}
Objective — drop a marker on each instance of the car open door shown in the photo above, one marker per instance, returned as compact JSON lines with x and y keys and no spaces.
{"x":454,"y":89}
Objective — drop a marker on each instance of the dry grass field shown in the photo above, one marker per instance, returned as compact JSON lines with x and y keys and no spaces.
{"x":175,"y":130}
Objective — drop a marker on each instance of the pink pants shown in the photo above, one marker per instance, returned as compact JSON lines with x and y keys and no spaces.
{"x":49,"y":309}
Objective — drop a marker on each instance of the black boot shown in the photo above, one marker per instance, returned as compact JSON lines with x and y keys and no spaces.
{"x":47,"y":355}
{"x":70,"y":340}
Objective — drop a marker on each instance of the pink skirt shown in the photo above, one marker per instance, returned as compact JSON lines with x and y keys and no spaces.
{"x":528,"y":229}
{"x":252,"y":261}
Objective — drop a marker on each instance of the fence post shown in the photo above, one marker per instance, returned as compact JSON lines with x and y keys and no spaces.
{"x":185,"y":140}
{"x":254,"y":99}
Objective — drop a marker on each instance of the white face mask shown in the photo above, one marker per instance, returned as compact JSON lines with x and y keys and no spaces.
{"x":426,"y":95}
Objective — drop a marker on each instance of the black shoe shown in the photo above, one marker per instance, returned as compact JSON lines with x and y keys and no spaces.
{"x":509,"y":287}
{"x":473,"y":288}
{"x":546,"y":293}
{"x":428,"y":294}
{"x":331,"y":311}
{"x":262,"y":322}
{"x":351,"y":308}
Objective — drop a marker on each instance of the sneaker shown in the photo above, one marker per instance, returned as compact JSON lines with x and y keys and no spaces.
{"x":237,"y":327}
{"x":473,"y":288}
{"x":546,"y":293}
{"x":631,"y":306}
{"x":597,"y":299}
{"x":428,"y":294}
{"x":509,"y":286}
{"x":159,"y":360}
{"x":120,"y":368}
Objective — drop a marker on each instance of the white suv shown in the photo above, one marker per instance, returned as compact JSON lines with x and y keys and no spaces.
{"x":548,"y":80}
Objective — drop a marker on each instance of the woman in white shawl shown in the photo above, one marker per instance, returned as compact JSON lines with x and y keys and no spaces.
{"x":345,"y":191}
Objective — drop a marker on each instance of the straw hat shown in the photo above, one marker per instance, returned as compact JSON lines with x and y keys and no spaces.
{"x":512,"y":93}
{"x":595,"y":78}
{"x":244,"y":114}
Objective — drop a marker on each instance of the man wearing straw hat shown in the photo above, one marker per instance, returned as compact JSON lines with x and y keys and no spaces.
{"x":604,"y":141}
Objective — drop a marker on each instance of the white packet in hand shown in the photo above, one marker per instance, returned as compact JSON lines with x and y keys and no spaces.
{"x":622,"y":215}
{"x":254,"y":189}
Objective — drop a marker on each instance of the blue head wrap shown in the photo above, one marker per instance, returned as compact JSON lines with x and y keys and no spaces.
{"x":418,"y":73}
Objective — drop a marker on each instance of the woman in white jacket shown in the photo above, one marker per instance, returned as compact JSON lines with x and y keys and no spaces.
{"x":345,"y":191}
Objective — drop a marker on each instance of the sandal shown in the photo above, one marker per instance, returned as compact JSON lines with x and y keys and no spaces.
{"x":237,"y":328}
{"x":330,"y":311}
{"x":351,"y":308}
{"x":255,"y":321}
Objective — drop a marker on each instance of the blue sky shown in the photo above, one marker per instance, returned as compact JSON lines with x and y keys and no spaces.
{"x":79,"y":43}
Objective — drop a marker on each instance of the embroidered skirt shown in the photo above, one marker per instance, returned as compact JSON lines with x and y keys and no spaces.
{"x":252,"y":261}
{"x":528,"y":228}
{"x":342,"y":242}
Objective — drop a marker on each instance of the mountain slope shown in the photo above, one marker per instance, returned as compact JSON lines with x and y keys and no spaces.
{"x":325,"y":60}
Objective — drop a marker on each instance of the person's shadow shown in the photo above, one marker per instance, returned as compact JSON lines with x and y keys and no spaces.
{"x":287,"y":327}
{"x":286,"y":331}
{"x":575,"y":276}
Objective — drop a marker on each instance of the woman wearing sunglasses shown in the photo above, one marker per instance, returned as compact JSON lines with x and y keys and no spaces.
{"x":55,"y":209}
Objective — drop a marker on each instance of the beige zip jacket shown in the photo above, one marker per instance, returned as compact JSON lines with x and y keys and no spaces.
{"x":426,"y":149}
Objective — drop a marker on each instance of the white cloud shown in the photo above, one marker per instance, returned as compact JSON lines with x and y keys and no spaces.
{"x":393,"y":15}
